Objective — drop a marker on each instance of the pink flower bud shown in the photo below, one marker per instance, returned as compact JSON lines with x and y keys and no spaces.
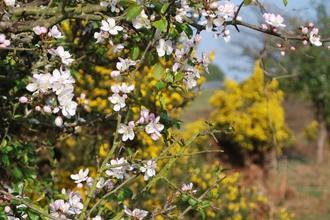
{"x":47,"y":109}
{"x":311,"y":24}
{"x":328,"y":47}
{"x":292,"y":48}
{"x":279,"y":45}
{"x":305,"y":42}
{"x":58,"y":121}
{"x":264,"y":27}
{"x":80,"y":185}
{"x":226,"y":32}
{"x":274,"y":29}
{"x":198,"y":38}
{"x":7,"y":208}
{"x":315,"y":31}
{"x":22,"y":99}
{"x":304,"y":30}
{"x":282,"y":53}
{"x":37,"y":108}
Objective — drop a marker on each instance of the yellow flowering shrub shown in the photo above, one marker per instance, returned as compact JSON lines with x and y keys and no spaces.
{"x":310,"y":131}
{"x":254,"y":109}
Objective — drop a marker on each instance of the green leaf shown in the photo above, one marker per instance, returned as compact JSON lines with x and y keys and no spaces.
{"x":158,"y":71}
{"x":247,"y":2}
{"x":3,"y":143}
{"x":187,"y":29}
{"x":164,"y":8}
{"x":128,"y":193}
{"x":192,"y":202}
{"x":18,"y":173}
{"x":161,"y":25}
{"x":185,"y":198}
{"x":75,"y":73}
{"x":33,"y":214}
{"x":129,"y":151}
{"x":285,"y":2}
{"x":121,"y":197}
{"x":133,"y":11}
{"x":206,"y":204}
{"x":178,"y":76}
{"x":5,"y":160}
{"x":135,"y":52}
{"x":160,"y":85}
{"x":125,"y":3}
{"x":202,"y":213}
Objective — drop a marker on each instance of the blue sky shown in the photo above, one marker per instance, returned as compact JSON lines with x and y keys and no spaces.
{"x":227,"y":54}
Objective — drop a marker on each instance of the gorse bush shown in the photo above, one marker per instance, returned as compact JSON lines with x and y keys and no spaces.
{"x":91,"y":94}
{"x":253,"y":109}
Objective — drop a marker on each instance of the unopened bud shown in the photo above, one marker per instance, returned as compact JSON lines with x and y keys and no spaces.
{"x":264,"y":27}
{"x":292,"y":48}
{"x":47,"y":109}
{"x":311,"y":24}
{"x":279,"y":45}
{"x":58,"y":121}
{"x":282,"y":53}
{"x":22,"y":99}
{"x":37,"y":108}
{"x":305,"y":42}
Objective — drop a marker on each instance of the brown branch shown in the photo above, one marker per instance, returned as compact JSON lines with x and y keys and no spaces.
{"x":53,"y":15}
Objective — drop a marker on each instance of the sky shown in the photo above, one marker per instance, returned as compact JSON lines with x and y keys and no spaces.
{"x":228,"y":58}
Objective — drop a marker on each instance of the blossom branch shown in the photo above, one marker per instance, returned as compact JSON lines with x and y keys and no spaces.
{"x":28,"y":204}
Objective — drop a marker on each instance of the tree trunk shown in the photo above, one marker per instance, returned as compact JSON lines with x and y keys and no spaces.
{"x":270,"y":162}
{"x":321,"y":140}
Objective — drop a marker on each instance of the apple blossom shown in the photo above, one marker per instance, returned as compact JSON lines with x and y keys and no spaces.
{"x":141,"y":21}
{"x":127,"y":131}
{"x":118,"y":100}
{"x":274,"y":20}
{"x":110,"y":26}
{"x":64,"y":55}
{"x":118,"y":172}
{"x":54,"y":32}
{"x":81,"y":176}
{"x":188,"y":188}
{"x":164,"y":47}
{"x":10,"y":2}
{"x":40,"y":30}
{"x":3,"y":41}
{"x":58,"y":121}
{"x":315,"y":39}
{"x":154,"y":128}
{"x":136,"y":213}
{"x":149,"y":169}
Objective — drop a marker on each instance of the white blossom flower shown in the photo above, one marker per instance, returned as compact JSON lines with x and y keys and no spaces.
{"x":58,"y":121}
{"x":75,"y":205}
{"x":127,"y":131}
{"x":136,"y":213}
{"x":81,"y":176}
{"x":314,"y":38}
{"x":64,"y":55}
{"x":274,"y":20}
{"x":118,"y":100}
{"x":141,"y":21}
{"x":164,"y":47}
{"x":188,"y":188}
{"x":227,"y":9}
{"x":110,"y":26}
{"x":54,"y":32}
{"x":126,"y":89}
{"x":39,"y":30}
{"x":10,"y":2}
{"x":154,"y":128}
{"x":118,"y":172}
{"x":149,"y":169}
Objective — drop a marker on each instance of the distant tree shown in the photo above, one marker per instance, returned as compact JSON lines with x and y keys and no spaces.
{"x":217,"y":73}
{"x":305,"y":74}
